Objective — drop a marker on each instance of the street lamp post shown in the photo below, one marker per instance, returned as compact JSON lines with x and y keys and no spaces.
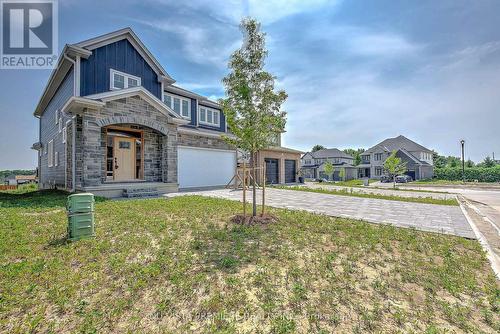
{"x":462,"y":142}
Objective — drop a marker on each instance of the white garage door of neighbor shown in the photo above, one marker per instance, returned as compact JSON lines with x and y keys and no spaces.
{"x":199,"y":167}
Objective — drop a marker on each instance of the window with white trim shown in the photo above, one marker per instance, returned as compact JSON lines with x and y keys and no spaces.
{"x":180,"y":105}
{"x":50,"y":152}
{"x":56,"y":159}
{"x":209,"y":116}
{"x":64,"y":134}
{"x":120,"y":80}
{"x":57,"y":116}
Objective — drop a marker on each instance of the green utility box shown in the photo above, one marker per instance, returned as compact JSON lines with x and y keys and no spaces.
{"x":81,"y":203}
{"x":80,"y":216}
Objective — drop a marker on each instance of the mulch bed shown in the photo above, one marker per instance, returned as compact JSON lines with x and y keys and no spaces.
{"x":257,"y":220}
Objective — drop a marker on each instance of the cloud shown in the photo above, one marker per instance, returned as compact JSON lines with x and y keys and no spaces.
{"x":268,"y":12}
{"x":436,"y":106}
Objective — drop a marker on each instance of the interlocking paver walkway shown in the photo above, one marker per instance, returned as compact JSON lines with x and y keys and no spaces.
{"x":426,"y":217}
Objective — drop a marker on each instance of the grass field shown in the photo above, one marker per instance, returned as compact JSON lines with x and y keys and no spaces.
{"x":347,"y":192}
{"x":179,"y":266}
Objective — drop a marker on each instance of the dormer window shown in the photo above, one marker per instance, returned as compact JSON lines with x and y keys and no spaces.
{"x":120,"y":80}
{"x":181,"y":106}
{"x":209,"y":116}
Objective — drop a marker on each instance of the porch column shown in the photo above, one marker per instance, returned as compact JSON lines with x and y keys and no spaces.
{"x":169,"y":155}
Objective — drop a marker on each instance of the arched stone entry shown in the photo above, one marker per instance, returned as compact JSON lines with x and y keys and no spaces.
{"x":116,"y":120}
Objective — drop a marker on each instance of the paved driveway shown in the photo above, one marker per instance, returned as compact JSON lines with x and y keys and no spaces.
{"x":427,"y":217}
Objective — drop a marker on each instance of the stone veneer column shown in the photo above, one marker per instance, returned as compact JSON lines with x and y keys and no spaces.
{"x":169,"y":155}
{"x":93,"y":155}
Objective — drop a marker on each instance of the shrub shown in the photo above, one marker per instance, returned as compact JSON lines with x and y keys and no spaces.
{"x":480,"y":174}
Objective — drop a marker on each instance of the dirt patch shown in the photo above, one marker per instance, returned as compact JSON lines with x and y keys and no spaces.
{"x":257,"y":220}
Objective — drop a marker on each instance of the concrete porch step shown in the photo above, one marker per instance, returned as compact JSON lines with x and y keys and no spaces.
{"x":141,"y":192}
{"x":132,"y":189}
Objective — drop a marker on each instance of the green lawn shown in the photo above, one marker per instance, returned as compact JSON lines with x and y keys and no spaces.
{"x":179,"y":266}
{"x":347,"y":192}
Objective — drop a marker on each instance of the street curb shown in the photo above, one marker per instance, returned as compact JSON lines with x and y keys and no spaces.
{"x":494,"y":260}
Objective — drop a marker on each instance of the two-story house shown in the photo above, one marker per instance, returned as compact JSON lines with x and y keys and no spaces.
{"x":111,"y":119}
{"x":313,"y":163}
{"x":418,"y":158}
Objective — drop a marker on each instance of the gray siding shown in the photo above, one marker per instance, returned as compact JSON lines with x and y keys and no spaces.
{"x":54,"y":176}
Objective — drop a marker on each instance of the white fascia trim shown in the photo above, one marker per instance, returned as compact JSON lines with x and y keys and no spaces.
{"x":76,"y":102}
{"x":128,"y":34}
{"x":211,"y":134}
{"x":143,"y":93}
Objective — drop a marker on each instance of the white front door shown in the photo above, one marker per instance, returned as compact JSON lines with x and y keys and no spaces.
{"x":199,"y":167}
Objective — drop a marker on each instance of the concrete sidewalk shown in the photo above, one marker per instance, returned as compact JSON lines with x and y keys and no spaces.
{"x":426,"y":217}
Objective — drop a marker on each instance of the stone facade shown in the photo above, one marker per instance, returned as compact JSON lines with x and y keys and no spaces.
{"x":192,"y":140}
{"x":161,"y":140}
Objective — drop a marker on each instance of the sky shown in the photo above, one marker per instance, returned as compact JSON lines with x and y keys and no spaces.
{"x":356,"y":72}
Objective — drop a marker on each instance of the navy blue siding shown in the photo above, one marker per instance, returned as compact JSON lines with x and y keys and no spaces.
{"x":49,"y":131}
{"x":120,"y":56}
{"x":194,"y":111}
{"x":221,"y":127}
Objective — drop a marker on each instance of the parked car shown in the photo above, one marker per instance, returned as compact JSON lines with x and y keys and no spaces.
{"x":385,"y":179}
{"x":403,"y":179}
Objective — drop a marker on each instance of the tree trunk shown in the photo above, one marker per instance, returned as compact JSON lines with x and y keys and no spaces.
{"x":254,"y":188}
{"x":394,"y":181}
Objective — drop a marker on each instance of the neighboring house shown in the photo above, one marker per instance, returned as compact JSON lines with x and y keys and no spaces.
{"x":23,"y":179}
{"x":313,"y":163}
{"x":111,"y":120}
{"x":282,"y":163}
{"x":418,"y":158}
{"x":10,"y":180}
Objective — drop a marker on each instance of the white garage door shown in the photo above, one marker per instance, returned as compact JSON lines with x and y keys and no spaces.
{"x":198,"y":167}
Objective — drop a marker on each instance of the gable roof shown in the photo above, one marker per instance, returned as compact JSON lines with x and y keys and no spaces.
{"x":396,"y":143}
{"x":84,"y":49}
{"x":330,"y":153}
{"x":127,"y":33}
{"x":143,"y":94}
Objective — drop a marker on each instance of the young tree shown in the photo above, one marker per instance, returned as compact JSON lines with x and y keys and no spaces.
{"x":328,"y":167}
{"x":394,"y":166}
{"x":439,"y":160}
{"x":356,"y":153}
{"x":342,"y":174}
{"x":469,"y":163}
{"x":251,"y":104}
{"x":488,"y":162}
{"x":317,"y":148}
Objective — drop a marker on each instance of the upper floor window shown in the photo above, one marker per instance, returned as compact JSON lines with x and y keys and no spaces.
{"x":366,"y":158}
{"x":308,"y":162}
{"x":377,"y":156}
{"x":209,"y":116}
{"x":50,"y":150}
{"x":120,"y":80}
{"x":178,"y":104}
